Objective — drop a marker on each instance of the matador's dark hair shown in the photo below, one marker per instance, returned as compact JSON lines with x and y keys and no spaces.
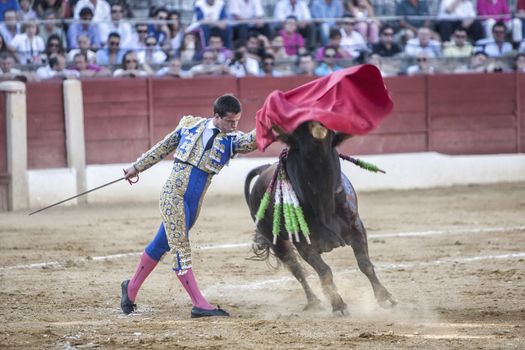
{"x":226,"y":104}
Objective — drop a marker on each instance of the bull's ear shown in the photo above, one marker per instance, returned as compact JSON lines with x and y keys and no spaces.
{"x":340,"y":138}
{"x":282,"y":135}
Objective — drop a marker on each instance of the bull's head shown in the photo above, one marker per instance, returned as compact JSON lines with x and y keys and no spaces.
{"x":316,"y":129}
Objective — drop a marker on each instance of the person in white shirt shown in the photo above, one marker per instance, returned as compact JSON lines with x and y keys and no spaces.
{"x":101,"y":10}
{"x":242,"y":66}
{"x":351,"y":40}
{"x":458,"y":13}
{"x":10,"y":26}
{"x":152,"y":54}
{"x":117,"y":25}
{"x":249,"y":15}
{"x":28,"y":45}
{"x":6,"y":66}
{"x":423,"y":42}
{"x":56,"y":69}
{"x":496,"y":47}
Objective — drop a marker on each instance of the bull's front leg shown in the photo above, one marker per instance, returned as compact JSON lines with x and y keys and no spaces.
{"x":284,"y":251}
{"x":314,"y":259}
{"x":359,"y":244}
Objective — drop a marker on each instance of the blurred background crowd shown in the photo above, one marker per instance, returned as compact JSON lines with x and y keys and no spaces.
{"x":43,"y":39}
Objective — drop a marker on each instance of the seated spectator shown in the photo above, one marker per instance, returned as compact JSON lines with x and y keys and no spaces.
{"x":324,"y":9}
{"x":497,"y":46}
{"x":84,"y":27}
{"x":100,"y":9}
{"x":268,"y":67}
{"x":49,"y":27}
{"x":8,"y":5}
{"x":293,"y":40}
{"x":459,"y":47}
{"x":422,"y":66}
{"x":83,"y":45}
{"x":56,"y":68}
{"x":256,"y":45}
{"x":334,"y":42}
{"x":423,"y":42}
{"x":159,"y":29}
{"x":54,"y":45}
{"x":211,"y":14}
{"x":277,"y":49}
{"x":209,"y":66}
{"x":410,"y":10}
{"x":138,"y":40}
{"x":112,"y":54}
{"x":117,"y":25}
{"x":29,"y":46}
{"x":521,"y":49}
{"x":4,"y":48}
{"x":26,"y":13}
{"x":519,"y":63}
{"x":299,"y":9}
{"x":191,"y":48}
{"x":61,"y":8}
{"x":351,"y":41}
{"x":130,"y":67}
{"x":328,"y":65}
{"x":174,"y":70}
{"x":458,"y":13}
{"x":492,"y":11}
{"x":251,"y":13}
{"x":7,"y":72}
{"x":367,"y":24}
{"x":376,"y":60}
{"x":477,"y":64}
{"x":217,"y":45}
{"x":10,"y":27}
{"x":152,"y":54}
{"x":176,"y":32}
{"x":86,"y":69}
{"x":241,"y":65}
{"x":386,"y":47}
{"x":305,"y":65}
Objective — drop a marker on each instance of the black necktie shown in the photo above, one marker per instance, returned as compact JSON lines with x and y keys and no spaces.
{"x":210,"y":141}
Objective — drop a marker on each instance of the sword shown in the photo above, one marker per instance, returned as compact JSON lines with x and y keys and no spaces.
{"x":86,"y":192}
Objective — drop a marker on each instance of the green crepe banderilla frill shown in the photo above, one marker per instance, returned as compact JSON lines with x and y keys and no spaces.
{"x":286,"y":207}
{"x":362,"y":164}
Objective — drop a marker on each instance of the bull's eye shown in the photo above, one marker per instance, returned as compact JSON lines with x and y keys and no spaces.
{"x":318,"y":131}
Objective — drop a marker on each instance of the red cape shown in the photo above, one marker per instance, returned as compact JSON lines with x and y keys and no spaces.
{"x":352,"y":100}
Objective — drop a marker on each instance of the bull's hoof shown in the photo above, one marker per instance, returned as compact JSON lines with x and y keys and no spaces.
{"x":386,"y":300}
{"x":341,"y":311}
{"x":314,"y":305}
{"x":340,"y":308}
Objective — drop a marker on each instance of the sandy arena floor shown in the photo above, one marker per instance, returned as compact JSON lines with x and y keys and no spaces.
{"x":454,"y":258}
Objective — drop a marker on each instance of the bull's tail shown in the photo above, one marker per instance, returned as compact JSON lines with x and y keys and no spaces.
{"x":253,"y":173}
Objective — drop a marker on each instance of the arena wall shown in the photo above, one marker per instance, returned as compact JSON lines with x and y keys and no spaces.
{"x":447,"y":119}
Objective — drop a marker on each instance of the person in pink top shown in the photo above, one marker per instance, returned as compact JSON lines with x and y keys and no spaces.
{"x":498,"y":10}
{"x":293,"y":41}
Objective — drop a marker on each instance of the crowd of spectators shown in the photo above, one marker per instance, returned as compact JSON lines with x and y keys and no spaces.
{"x":42,"y":39}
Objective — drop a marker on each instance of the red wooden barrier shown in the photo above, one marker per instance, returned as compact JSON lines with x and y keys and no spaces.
{"x":473,"y":113}
{"x":453,"y":114}
{"x":4,"y":176}
{"x":46,"y":145}
{"x":116,"y":125}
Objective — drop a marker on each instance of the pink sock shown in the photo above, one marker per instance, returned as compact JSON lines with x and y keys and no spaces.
{"x":146,"y":265}
{"x":189,"y":283}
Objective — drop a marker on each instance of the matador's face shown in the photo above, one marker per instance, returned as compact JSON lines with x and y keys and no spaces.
{"x":228,"y":123}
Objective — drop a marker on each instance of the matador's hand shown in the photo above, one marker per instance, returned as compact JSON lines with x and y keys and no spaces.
{"x":130,"y":174}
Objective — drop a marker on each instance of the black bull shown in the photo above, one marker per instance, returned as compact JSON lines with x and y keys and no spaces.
{"x":329,"y":204}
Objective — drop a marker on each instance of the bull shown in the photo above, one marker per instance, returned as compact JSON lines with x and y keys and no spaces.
{"x":329,"y":203}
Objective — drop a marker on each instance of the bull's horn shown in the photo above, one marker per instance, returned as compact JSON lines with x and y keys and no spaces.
{"x":318,"y":131}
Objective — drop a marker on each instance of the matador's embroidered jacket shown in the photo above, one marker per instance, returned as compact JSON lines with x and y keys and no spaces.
{"x":193,"y":169}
